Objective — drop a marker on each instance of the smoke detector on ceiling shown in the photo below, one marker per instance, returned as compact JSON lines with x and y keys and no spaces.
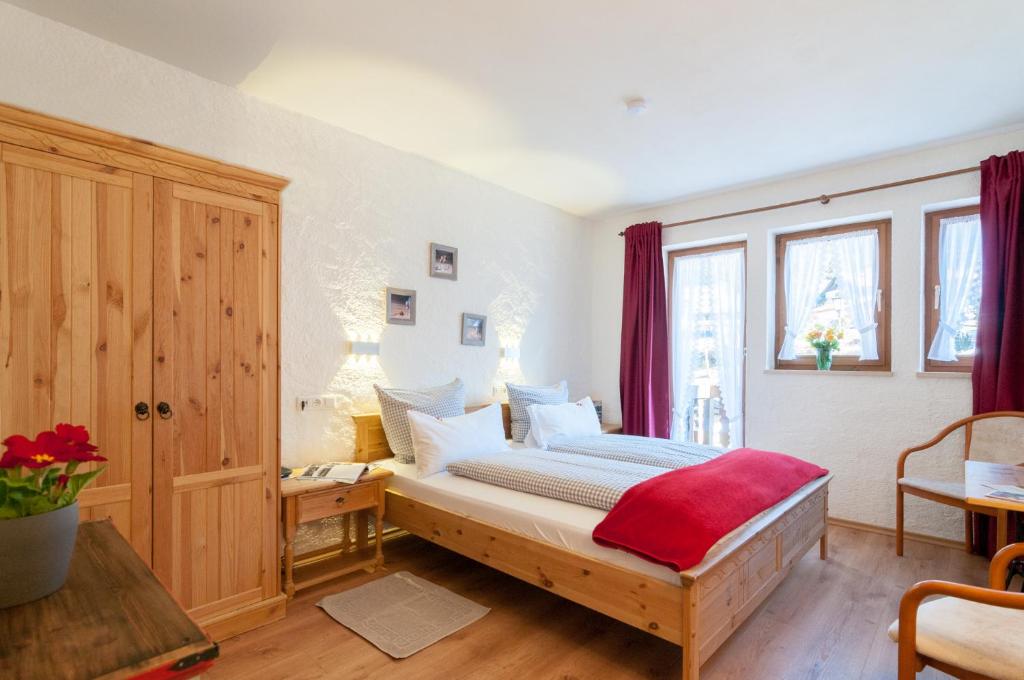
{"x":636,"y":106}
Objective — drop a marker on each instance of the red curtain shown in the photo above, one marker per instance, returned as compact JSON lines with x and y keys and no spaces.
{"x":644,"y":365}
{"x":998,"y":362}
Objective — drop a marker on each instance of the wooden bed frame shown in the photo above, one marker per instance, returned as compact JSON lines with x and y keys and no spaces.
{"x":699,"y":613}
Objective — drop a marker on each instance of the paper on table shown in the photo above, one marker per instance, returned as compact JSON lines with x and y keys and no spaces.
{"x":346,"y":473}
{"x":1006,"y":492}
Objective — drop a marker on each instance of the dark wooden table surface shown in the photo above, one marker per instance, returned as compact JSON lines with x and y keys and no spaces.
{"x":112,"y":619}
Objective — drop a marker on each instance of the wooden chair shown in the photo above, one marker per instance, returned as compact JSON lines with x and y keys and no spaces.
{"x":973,"y":633}
{"x":947,"y":493}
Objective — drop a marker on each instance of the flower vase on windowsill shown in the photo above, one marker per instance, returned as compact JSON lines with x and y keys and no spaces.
{"x":825,"y":341}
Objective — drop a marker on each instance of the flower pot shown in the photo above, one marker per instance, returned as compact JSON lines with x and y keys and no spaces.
{"x":35,"y":552}
{"x":824,"y":358}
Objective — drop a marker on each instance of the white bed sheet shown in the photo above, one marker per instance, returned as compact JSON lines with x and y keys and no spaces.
{"x":564,"y":525}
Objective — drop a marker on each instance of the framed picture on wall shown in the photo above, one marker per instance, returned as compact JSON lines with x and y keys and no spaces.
{"x":444,"y":262}
{"x":474,"y":329}
{"x":401,"y":306}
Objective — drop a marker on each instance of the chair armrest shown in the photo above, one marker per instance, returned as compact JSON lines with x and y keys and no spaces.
{"x":908,"y":662}
{"x":998,"y":598}
{"x":1001,"y":564}
{"x":901,"y":462}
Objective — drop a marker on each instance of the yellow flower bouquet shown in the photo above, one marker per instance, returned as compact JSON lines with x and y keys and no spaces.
{"x":825,"y":341}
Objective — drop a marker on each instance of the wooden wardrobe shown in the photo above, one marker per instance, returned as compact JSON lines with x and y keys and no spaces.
{"x":139,"y":297}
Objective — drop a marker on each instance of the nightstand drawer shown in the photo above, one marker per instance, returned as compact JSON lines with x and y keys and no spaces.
{"x":336,"y":501}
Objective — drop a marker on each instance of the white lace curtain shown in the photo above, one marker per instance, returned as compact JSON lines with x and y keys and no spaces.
{"x":959,"y":258}
{"x":855,"y":257}
{"x":804,"y":264}
{"x":720,"y":276}
{"x":686,"y":289}
{"x":727,"y":311}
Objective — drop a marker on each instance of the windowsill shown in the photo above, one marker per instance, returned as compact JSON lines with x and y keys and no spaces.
{"x":944,"y":374}
{"x":809,"y":371}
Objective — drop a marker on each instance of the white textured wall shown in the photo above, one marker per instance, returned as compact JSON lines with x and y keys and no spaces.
{"x":854,"y":424}
{"x":358,"y":216}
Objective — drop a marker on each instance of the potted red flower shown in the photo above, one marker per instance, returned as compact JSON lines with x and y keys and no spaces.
{"x":39,"y":511}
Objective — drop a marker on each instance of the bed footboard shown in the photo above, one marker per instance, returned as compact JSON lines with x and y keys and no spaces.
{"x":646,"y":603}
{"x":724,"y":591}
{"x":699,"y":613}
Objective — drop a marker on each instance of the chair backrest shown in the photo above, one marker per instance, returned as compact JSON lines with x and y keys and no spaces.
{"x":996,"y":437}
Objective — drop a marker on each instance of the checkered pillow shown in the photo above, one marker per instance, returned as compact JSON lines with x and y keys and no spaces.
{"x":445,"y":401}
{"x":520,"y":397}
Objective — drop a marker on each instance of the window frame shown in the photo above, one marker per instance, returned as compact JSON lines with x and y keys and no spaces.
{"x":689,"y":251}
{"x":883,"y":318}
{"x":932,"y":227}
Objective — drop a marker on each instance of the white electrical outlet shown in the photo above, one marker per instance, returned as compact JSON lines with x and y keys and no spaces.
{"x":317,"y":402}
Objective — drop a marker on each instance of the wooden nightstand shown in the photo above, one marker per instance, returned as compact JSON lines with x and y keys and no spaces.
{"x":303,"y":501}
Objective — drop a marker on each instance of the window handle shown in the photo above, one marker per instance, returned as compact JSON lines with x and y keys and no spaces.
{"x":938,"y":288}
{"x":879,"y":299}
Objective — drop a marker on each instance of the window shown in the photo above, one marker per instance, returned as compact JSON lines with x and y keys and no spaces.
{"x":706,"y":299}
{"x":836,"y":277}
{"x":952,"y":285}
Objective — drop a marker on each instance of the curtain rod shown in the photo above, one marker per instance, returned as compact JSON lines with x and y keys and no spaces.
{"x":824,"y":199}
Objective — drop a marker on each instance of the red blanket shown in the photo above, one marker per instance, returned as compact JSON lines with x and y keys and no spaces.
{"x":675,"y":518}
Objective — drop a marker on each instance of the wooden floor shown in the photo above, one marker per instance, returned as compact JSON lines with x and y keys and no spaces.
{"x":827,"y":620}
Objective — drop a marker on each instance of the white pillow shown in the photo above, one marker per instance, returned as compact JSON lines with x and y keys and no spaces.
{"x":439,"y":441}
{"x":551,"y":423}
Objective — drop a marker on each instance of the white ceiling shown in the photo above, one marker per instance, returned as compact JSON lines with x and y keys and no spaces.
{"x":529,"y":94}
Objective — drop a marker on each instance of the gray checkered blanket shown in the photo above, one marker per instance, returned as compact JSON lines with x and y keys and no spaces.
{"x":663,"y":453}
{"x":584,"y":480}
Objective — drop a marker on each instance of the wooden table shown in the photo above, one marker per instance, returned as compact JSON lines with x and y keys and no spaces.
{"x":306,"y":501}
{"x":112,"y":619}
{"x":979,"y":476}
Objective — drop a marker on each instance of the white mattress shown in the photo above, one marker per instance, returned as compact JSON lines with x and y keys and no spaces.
{"x":564,"y":525}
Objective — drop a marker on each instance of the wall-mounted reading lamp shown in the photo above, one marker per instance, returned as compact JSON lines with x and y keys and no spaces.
{"x":360,"y":348}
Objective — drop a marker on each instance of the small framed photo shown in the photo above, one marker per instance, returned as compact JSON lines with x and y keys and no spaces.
{"x":474,"y":329}
{"x":401,"y":306}
{"x":444,"y":262}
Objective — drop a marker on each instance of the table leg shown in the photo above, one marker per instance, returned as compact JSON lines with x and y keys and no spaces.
{"x":289,"y":546}
{"x":968,"y":531}
{"x":346,"y":532}
{"x":1001,"y":527}
{"x":362,"y":529}
{"x":378,"y":530}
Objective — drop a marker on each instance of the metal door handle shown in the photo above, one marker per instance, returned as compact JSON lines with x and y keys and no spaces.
{"x":142,"y":410}
{"x":164,"y":409}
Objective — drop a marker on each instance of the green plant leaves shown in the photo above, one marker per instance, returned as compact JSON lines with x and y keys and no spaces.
{"x":40,"y":492}
{"x":77,"y":482}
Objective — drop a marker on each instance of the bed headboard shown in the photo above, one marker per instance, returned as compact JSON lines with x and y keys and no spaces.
{"x":371,"y":444}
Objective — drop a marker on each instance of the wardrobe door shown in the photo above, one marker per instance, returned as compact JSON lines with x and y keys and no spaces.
{"x":215,"y":384}
{"x":75,"y":334}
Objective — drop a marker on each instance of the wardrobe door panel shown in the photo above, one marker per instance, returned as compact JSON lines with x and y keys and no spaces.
{"x":215,"y":500}
{"x":75,"y":287}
